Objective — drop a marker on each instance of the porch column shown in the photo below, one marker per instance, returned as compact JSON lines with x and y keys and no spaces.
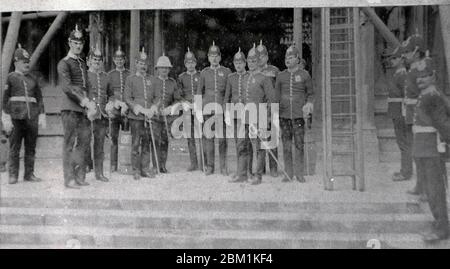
{"x":134,"y":38}
{"x":298,"y":29}
{"x":158,"y":37}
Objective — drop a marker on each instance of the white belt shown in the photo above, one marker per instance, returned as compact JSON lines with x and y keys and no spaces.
{"x":423,"y":129}
{"x":410,"y":101}
{"x":394,"y":100}
{"x":22,"y":99}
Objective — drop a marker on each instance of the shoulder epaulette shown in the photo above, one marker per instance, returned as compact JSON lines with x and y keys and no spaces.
{"x":205,"y":69}
{"x":182,"y":74}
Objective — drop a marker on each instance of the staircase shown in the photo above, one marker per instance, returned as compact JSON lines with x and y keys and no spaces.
{"x":109,"y":223}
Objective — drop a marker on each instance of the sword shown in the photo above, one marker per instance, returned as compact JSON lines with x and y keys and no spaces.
{"x":253,"y":130}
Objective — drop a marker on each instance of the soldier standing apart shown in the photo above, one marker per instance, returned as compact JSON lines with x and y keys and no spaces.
{"x":23,"y":112}
{"x":431,"y":125}
{"x":138,"y":94}
{"x":413,"y":51}
{"x":74,"y":82}
{"x":116,"y":107}
{"x":164,"y":94}
{"x":212,"y":87}
{"x":234,"y":94}
{"x":403,"y":131}
{"x":98,"y":94}
{"x":271,"y":72}
{"x":188,"y":83}
{"x":293,"y":86}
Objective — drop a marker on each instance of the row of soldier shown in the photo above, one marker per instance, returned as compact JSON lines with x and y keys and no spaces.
{"x":98,"y":104}
{"x":421,"y":118}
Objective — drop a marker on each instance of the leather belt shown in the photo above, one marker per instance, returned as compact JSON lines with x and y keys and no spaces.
{"x":23,"y":99}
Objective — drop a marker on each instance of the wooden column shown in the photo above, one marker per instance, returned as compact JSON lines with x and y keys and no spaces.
{"x":298,"y":29}
{"x":158,"y":38}
{"x":134,"y":38}
{"x":10,"y":43}
{"x":444,"y":16}
{"x":1,"y":71}
{"x":56,"y":25}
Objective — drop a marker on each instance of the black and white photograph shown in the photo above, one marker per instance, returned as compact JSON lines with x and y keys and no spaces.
{"x":224,"y":125}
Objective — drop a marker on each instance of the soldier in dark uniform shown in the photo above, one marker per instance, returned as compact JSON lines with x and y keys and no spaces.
{"x":212,"y":87}
{"x":293,"y":86}
{"x":413,"y":51}
{"x":431,"y":126}
{"x":403,"y":131}
{"x":116,"y":107}
{"x":234,"y":94}
{"x":188,"y":84}
{"x":258,"y":90}
{"x":98,"y":93}
{"x":76,"y":110}
{"x":138,"y":96}
{"x":23,"y":112}
{"x":165,"y":93}
{"x":271,"y":72}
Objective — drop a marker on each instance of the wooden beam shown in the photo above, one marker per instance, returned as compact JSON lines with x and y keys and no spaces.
{"x":380,"y":26}
{"x":444,"y":15}
{"x":10,"y":43}
{"x":298,"y":29}
{"x":134,"y":38}
{"x":38,"y":15}
{"x":52,"y":30}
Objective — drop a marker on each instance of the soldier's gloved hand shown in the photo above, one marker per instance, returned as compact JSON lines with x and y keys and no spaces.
{"x":186,"y":106}
{"x":308,"y":108}
{"x":7,"y":122}
{"x":147,"y":112}
{"x":137,"y":109}
{"x":109,"y":108}
{"x":42,"y":121}
{"x":227,"y":118}
{"x":123,"y":109}
{"x":154,"y":110}
{"x":117,"y":104}
{"x":91,"y":110}
{"x":174,"y":109}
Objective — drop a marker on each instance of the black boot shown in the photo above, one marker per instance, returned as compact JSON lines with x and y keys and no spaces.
{"x":99,"y":171}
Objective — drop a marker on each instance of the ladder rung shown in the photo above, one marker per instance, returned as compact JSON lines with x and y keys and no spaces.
{"x":344,"y":134}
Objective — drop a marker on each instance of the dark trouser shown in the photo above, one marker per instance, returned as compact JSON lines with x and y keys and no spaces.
{"x":161,"y":142}
{"x":430,"y":172}
{"x":404,"y":137}
{"x":140,"y":146}
{"x":27,"y":130}
{"x":249,"y":149}
{"x":191,"y":145}
{"x":293,"y":130}
{"x":117,"y":124}
{"x":77,"y":138}
{"x":100,"y":127}
{"x":245,"y":146}
{"x":209,"y":147}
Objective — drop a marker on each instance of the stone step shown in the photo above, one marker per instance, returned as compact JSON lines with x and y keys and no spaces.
{"x":215,"y":206}
{"x":95,"y":237}
{"x":143,"y":220}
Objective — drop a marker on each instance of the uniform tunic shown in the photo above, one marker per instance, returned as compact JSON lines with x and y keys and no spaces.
{"x":294,"y":90}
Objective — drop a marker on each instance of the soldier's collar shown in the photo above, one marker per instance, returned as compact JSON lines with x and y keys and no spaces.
{"x":265,"y":66}
{"x":256,"y":71}
{"x":214,"y":68}
{"x":242,"y":73}
{"x":73,"y":56}
{"x":97,"y":73}
{"x":120,"y":69}
{"x":400,"y":70}
{"x":293,"y":70}
{"x":191,"y":73}
{"x":20,"y":73}
{"x":139,"y":74}
{"x":163,"y":78}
